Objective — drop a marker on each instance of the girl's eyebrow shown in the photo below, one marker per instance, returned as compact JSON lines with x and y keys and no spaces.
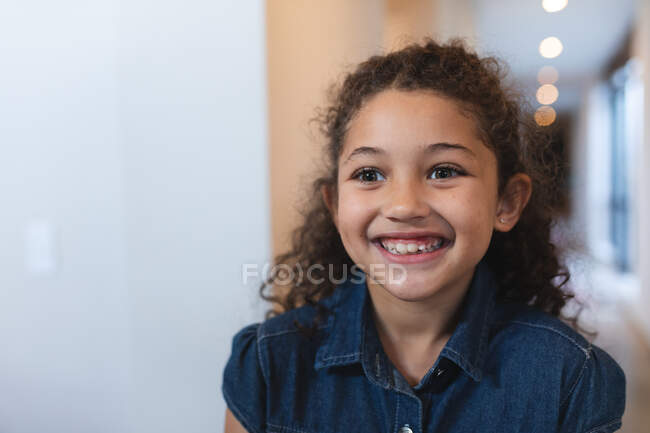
{"x":429,"y":148}
{"x":365,"y":150}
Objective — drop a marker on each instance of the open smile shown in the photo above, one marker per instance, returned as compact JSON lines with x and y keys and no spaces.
{"x":407,"y":252}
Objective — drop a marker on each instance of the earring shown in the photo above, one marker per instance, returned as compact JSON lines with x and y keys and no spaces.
{"x":502,"y":220}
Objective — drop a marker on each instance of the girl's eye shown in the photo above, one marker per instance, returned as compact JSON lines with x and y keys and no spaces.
{"x":445,"y":171}
{"x":368,"y":175}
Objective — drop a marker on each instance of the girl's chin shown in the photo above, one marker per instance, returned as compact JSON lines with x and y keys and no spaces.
{"x":410,"y":291}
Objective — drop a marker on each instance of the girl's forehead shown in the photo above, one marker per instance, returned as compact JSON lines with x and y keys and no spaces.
{"x":412,"y":121}
{"x":413,"y":102}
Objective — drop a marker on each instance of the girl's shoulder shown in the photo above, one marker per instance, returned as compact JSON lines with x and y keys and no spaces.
{"x":261,"y":354}
{"x":277,"y":331}
{"x":547,"y":353}
{"x":538,"y":332}
{"x":520,"y":319}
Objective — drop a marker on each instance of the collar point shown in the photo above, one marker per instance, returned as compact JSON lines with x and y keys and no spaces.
{"x":476,"y":375}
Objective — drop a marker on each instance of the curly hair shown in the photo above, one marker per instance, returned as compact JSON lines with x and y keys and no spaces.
{"x":526,"y":263}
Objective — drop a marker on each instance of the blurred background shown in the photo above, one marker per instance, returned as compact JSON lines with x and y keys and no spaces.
{"x":151,"y":149}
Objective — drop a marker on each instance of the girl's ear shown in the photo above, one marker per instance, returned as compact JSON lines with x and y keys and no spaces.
{"x":329,"y":197}
{"x":513,"y":201}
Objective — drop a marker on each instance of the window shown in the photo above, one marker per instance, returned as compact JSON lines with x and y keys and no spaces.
{"x":626,"y":110}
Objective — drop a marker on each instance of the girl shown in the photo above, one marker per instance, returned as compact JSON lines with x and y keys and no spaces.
{"x":434,"y":170}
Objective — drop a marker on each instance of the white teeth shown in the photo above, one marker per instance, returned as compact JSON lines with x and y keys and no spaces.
{"x":412,"y":248}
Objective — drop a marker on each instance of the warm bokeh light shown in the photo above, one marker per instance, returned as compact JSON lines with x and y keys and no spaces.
{"x":550,"y":47}
{"x":547,"y":94}
{"x":547,"y":75}
{"x":554,"y":5}
{"x":545,"y":115}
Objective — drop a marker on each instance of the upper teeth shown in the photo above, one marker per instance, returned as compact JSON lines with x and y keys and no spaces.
{"x":409,"y":248}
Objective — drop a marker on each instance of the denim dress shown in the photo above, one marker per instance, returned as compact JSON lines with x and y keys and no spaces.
{"x":507,"y":367}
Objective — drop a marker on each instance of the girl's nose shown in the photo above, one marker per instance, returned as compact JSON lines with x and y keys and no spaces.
{"x":405,"y":201}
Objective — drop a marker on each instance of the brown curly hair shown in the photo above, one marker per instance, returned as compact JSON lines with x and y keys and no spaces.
{"x":525,"y":261}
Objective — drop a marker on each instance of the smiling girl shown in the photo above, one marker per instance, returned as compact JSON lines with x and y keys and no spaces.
{"x":432,"y":166}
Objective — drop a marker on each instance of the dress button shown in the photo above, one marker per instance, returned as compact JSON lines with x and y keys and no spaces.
{"x":405,"y":429}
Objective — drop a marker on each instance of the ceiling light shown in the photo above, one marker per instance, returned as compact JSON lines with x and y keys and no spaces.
{"x":554,"y":5}
{"x":545,"y":115}
{"x":550,"y":47}
{"x":547,"y":94}
{"x":547,"y":75}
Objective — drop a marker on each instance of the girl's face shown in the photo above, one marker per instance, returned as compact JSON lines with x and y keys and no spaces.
{"x":413,"y":173}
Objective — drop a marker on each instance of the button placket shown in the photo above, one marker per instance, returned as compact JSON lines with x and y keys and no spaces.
{"x":405,"y":429}
{"x":408,"y":414}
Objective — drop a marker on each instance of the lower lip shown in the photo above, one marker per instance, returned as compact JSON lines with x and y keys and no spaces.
{"x":412,"y":258}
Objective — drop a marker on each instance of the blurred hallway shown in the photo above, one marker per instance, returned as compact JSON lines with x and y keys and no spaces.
{"x":625,"y":341}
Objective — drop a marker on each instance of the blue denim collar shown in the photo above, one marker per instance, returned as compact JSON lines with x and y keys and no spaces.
{"x":351,"y":339}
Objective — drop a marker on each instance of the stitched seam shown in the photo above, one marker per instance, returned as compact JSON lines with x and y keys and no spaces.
{"x":332,"y":320}
{"x":396,"y":413}
{"x":484,"y":331}
{"x":463,"y":360}
{"x":371,"y":377}
{"x":613,"y":423}
{"x":287,"y":331}
{"x":575,"y":383}
{"x":532,"y":325}
{"x":259,"y":358}
{"x":341,"y":357}
{"x":239,"y":413}
{"x":362,"y":355}
{"x":419,"y":426}
{"x":281,"y":427}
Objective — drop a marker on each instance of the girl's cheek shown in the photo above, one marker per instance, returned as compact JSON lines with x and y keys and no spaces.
{"x":355,"y":204}
{"x":358,"y":204}
{"x":471,"y":213}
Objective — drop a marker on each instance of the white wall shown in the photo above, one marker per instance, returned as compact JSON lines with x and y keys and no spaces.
{"x":193,"y":123}
{"x":64,"y":346}
{"x":137,"y":131}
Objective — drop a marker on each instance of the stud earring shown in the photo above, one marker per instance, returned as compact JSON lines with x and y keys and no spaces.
{"x":502,"y":220}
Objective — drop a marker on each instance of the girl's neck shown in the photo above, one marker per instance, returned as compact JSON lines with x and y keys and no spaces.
{"x":418,"y":325}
